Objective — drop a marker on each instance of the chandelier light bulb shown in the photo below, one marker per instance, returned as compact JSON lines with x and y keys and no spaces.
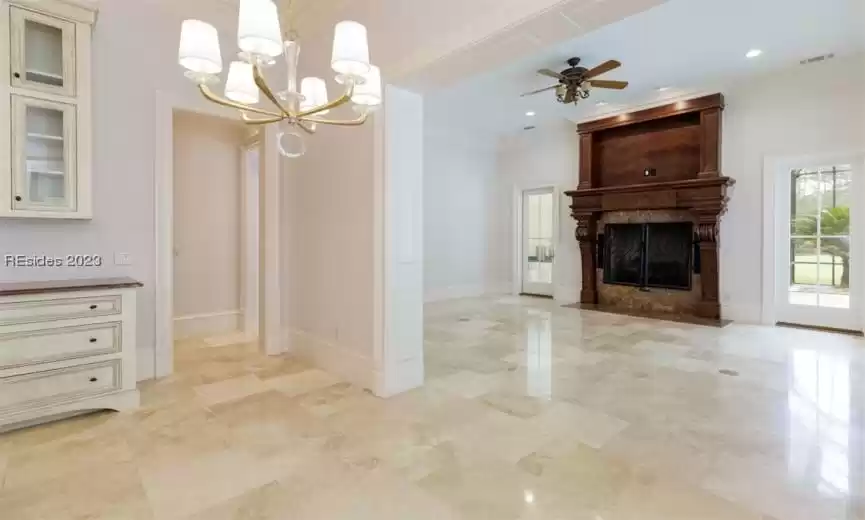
{"x":258,"y":31}
{"x":240,"y":85}
{"x":350,"y":49}
{"x":368,"y":93}
{"x":199,"y":48}
{"x":314,"y":91}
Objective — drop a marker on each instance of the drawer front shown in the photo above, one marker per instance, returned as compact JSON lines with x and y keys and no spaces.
{"x":55,"y":386}
{"x":34,"y":311}
{"x":44,"y":345}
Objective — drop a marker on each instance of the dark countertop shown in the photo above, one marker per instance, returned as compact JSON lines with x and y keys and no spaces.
{"x":75,"y":284}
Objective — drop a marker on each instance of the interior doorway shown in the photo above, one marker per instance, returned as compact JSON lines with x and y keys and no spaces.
{"x":818,"y":275}
{"x":538,"y":210}
{"x":215,"y":231}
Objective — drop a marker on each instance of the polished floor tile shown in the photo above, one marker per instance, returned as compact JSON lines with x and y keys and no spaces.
{"x":530,"y":411}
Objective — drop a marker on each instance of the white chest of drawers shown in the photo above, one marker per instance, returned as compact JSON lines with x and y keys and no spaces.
{"x":66,"y":347}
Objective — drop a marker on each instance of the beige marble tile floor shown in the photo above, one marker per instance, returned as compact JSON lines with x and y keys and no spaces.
{"x":530,"y":411}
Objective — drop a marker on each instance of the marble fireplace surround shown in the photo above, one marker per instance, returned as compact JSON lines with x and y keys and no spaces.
{"x":640,"y":299}
{"x":681,"y":142}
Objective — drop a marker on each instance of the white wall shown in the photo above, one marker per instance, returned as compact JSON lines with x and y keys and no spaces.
{"x":135,"y":55}
{"x":329,"y":245}
{"x":207,"y":221}
{"x":803,"y":110}
{"x":545,"y":156}
{"x":460,"y":209}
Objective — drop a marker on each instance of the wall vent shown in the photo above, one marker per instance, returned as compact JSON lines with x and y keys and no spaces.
{"x":817,"y":59}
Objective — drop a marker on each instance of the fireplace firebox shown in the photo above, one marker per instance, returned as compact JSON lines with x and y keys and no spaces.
{"x":649,"y":255}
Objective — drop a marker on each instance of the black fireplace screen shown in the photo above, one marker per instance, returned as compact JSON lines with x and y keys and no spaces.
{"x":649,"y":255}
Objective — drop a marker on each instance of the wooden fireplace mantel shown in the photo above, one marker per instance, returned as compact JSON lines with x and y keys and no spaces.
{"x":681,"y":143}
{"x":706,"y":194}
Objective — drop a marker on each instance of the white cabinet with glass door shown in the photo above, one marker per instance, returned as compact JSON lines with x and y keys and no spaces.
{"x":47,"y":98}
{"x":817,"y":246}
{"x":538,"y":242}
{"x":43,"y":144}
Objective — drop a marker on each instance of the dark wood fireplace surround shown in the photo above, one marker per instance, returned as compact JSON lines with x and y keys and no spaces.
{"x":663,"y":158}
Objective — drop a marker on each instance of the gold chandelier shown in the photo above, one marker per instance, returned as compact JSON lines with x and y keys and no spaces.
{"x":260,"y":40}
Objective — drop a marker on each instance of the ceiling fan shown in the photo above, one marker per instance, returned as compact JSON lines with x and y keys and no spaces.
{"x":575,"y":81}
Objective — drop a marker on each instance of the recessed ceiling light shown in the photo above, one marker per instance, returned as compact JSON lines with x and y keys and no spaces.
{"x":530,"y":113}
{"x":663,"y":89}
{"x":753,"y":53}
{"x":602,"y":103}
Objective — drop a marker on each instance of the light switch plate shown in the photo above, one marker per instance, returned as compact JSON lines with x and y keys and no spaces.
{"x":122,"y":259}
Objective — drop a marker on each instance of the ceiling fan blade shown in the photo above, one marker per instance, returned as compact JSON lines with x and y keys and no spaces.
{"x":550,"y":73}
{"x":604,"y":83}
{"x":538,"y":91}
{"x":607,"y":66}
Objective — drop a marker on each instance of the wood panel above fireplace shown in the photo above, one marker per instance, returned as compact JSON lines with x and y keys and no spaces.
{"x":664,"y":158}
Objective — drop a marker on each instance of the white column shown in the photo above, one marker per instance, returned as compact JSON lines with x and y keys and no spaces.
{"x":398,"y":295}
{"x":270,"y":299}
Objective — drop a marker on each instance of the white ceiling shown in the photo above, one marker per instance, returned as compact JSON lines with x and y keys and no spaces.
{"x":305,"y":13}
{"x":687,"y":45}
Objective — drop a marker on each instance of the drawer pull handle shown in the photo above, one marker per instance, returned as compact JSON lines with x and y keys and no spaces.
{"x":93,"y":379}
{"x":94,"y":307}
{"x":92,"y":340}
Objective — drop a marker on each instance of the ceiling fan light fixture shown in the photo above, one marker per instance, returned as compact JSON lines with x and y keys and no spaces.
{"x":577,"y":82}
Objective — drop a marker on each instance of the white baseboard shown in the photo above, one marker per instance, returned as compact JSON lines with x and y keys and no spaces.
{"x":145,"y":363}
{"x":339,"y":360}
{"x":209,"y":324}
{"x":454,"y":292}
{"x":406,"y":375}
{"x":742,"y":313}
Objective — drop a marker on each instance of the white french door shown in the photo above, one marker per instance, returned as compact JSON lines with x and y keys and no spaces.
{"x":818,"y":246}
{"x":538,"y":247}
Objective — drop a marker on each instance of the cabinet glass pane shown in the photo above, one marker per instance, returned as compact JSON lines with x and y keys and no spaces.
{"x":45,"y":160}
{"x":43,"y":54}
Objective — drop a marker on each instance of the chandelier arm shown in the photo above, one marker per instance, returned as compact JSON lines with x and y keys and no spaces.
{"x":265,"y":89}
{"x":209,"y":95}
{"x":305,"y":128}
{"x":347,"y":122}
{"x":262,"y":120}
{"x":343,"y":99}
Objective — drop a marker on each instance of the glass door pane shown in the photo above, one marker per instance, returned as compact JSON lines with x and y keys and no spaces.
{"x":540,"y":240}
{"x":820,"y":237}
{"x":43,"y":52}
{"x":42,"y":134}
{"x":538,"y":253}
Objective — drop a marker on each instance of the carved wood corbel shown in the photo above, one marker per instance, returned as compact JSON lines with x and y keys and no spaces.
{"x":708,"y":226}
{"x":587,"y":235}
{"x":707,"y":231}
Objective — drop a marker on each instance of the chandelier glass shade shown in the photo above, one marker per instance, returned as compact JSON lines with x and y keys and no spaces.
{"x":300,"y":106}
